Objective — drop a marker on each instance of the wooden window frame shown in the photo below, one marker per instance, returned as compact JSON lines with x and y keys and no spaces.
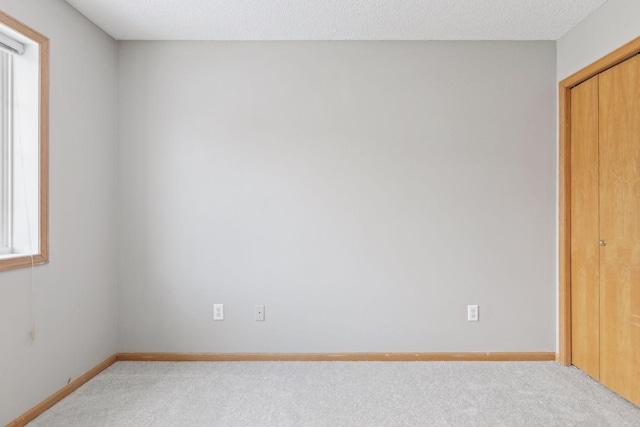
{"x":564,"y":202}
{"x":42,"y":256}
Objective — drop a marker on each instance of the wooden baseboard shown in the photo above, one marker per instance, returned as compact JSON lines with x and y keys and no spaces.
{"x":345,"y":357}
{"x":33,"y":413}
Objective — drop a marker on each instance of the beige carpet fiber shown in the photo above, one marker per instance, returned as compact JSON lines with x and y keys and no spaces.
{"x":341,"y":394}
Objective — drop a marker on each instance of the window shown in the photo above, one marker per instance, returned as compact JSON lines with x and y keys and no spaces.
{"x":24,"y":145}
{"x":6,"y":118}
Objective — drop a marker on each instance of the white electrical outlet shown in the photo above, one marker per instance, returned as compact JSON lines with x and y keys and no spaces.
{"x":218,"y":311}
{"x":472,"y":313}
{"x":259,"y":312}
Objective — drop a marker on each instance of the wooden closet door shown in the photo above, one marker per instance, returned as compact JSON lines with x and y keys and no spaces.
{"x":620,"y":226}
{"x":585,"y":257}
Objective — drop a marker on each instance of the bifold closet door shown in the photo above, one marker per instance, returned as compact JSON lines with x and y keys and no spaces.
{"x":585,"y":268}
{"x":619,"y":154}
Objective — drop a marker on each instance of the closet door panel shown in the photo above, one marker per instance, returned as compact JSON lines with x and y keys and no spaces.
{"x":585,"y":269}
{"x":620,"y":226}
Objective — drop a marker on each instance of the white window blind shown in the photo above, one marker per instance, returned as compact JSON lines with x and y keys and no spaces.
{"x":10,"y":45}
{"x":6,"y":145}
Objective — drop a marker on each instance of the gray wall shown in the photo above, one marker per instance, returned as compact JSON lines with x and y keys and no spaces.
{"x":75,"y":295}
{"x":366,"y":192}
{"x":606,"y":29}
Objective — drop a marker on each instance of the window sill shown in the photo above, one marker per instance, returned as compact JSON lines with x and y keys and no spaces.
{"x":13,"y":261}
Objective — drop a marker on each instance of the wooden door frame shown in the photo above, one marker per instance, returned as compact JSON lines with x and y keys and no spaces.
{"x":564,"y":202}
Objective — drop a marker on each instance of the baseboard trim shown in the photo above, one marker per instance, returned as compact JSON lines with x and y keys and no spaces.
{"x":34,"y":412}
{"x":345,"y":357}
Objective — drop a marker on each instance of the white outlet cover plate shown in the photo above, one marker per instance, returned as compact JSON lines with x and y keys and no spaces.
{"x":218,"y":311}
{"x":259,"y":312}
{"x":472,"y":313}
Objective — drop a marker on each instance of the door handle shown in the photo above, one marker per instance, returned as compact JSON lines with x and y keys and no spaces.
{"x":602,"y":242}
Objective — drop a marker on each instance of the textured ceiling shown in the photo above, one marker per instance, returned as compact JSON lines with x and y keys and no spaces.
{"x":336,"y":19}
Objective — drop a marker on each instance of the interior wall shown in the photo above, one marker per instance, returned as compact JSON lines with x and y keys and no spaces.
{"x":76,"y":293}
{"x":365,"y":192}
{"x":610,"y":26}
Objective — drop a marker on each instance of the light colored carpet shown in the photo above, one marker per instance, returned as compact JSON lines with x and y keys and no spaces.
{"x":341,"y":394}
